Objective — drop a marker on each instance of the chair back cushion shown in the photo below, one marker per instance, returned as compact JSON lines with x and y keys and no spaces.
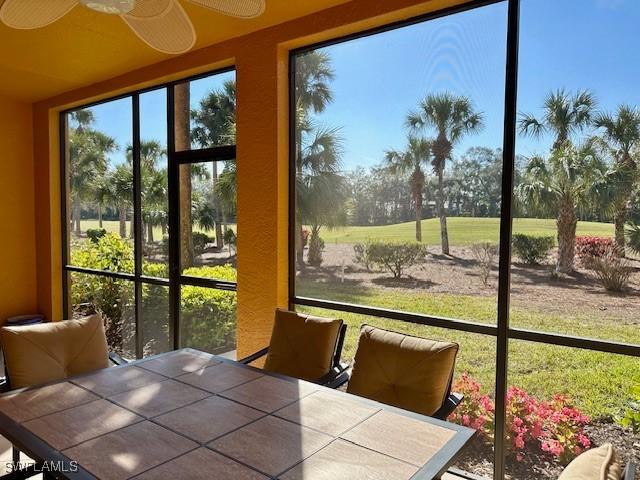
{"x":600,"y":463}
{"x":404,"y":371}
{"x":36,"y":354}
{"x":302,"y":346}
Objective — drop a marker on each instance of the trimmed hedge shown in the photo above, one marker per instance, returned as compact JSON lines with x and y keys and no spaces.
{"x":532,"y":249}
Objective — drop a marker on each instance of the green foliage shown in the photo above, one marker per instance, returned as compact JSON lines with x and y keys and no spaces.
{"x":362,"y":255}
{"x":200,"y":241}
{"x":631,"y":417}
{"x":95,"y":234}
{"x":532,"y":249}
{"x":395,"y":258}
{"x":207,"y":315}
{"x":230,"y":237}
{"x":110,"y":253}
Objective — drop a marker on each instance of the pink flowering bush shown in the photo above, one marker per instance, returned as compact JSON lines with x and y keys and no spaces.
{"x":553,"y":427}
{"x":588,"y":247}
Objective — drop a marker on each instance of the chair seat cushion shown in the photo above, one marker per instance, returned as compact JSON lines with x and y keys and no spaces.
{"x":302,"y":346}
{"x":408,"y":372}
{"x":36,"y":354}
{"x":600,"y":463}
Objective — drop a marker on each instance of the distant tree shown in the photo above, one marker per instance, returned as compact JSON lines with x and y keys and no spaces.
{"x":411,"y":160}
{"x":478,"y":177}
{"x":88,"y":161}
{"x":621,"y":132}
{"x":450,"y":117}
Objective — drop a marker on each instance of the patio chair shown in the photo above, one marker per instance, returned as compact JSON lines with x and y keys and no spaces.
{"x":601,"y":462}
{"x":304,"y":347}
{"x":41,"y":353}
{"x":408,"y":372}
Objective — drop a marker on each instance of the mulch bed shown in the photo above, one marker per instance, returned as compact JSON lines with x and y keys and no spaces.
{"x":478,"y":458}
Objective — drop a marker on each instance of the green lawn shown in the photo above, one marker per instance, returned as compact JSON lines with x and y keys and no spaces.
{"x":113,"y":226}
{"x":462,"y":230}
{"x":598,"y":383}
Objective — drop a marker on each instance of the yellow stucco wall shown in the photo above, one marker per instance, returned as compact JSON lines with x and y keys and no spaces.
{"x":18,"y":289}
{"x":261,"y":60}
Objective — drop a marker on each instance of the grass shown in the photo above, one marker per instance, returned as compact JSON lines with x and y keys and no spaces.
{"x":113,"y":226}
{"x":598,"y":383}
{"x":462,"y":230}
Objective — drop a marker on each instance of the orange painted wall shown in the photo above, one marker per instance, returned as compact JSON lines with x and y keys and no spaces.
{"x":261,"y":59}
{"x":18,"y":289}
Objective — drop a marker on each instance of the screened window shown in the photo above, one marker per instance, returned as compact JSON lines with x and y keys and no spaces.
{"x":140,"y":198}
{"x":406,"y":143}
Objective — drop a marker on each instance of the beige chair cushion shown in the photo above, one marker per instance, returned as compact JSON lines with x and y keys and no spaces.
{"x":302,"y":346}
{"x":600,"y":463}
{"x":36,"y":354}
{"x":408,"y":372}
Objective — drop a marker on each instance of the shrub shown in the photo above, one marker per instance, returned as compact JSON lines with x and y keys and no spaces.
{"x":200,"y":241}
{"x":395,"y":258}
{"x":95,"y":234}
{"x":207,"y":315}
{"x":552,"y":427}
{"x":485,"y":254}
{"x":230,"y":237}
{"x":610,"y":269}
{"x":588,"y":247}
{"x":362,"y":252}
{"x":316,"y":246}
{"x":532,"y":249}
{"x":631,"y":418}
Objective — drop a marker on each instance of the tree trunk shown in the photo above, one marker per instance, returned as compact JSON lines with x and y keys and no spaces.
{"x":77,"y":211}
{"x":150,"y":232}
{"x":419,"y":221}
{"x":216,"y":206}
{"x":183,"y":142}
{"x":298,"y":239}
{"x":131,"y":232}
{"x":444,"y":234}
{"x":566,"y":223}
{"x":122,"y":217}
{"x":99,"y":216}
{"x":619,"y":220}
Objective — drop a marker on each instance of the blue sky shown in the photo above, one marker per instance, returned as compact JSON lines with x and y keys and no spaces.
{"x":591,"y":44}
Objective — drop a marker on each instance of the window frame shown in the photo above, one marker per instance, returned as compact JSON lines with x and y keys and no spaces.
{"x":501,"y":330}
{"x":175,"y":279}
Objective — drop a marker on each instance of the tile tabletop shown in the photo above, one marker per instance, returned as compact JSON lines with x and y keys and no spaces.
{"x":187,"y":414}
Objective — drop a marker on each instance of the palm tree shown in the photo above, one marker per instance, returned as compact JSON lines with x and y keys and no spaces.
{"x":102,"y":195}
{"x":451,"y":117}
{"x":88,"y":160}
{"x":122,"y":181}
{"x":313,"y":72}
{"x":621,"y":131}
{"x":562,"y":184}
{"x":412,"y":159}
{"x":564,"y":115}
{"x":215,"y":122}
{"x":321,"y":192}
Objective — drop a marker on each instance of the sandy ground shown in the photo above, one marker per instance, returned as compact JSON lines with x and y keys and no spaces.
{"x":532,"y":286}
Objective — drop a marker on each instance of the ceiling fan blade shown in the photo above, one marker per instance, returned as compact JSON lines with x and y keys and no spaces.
{"x":171,"y":31}
{"x":235,"y":8}
{"x":28,"y":14}
{"x":150,"y":8}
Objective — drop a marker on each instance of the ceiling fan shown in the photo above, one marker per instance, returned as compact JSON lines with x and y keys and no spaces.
{"x":161,"y":24}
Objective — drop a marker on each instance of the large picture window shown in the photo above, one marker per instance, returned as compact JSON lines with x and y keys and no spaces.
{"x":149,"y":229}
{"x":471,"y":176}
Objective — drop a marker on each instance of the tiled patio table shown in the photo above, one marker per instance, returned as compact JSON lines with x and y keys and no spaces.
{"x":188,"y":414}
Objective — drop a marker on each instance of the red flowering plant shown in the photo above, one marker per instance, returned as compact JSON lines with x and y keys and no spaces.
{"x":589,"y":247}
{"x":554,"y":427}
